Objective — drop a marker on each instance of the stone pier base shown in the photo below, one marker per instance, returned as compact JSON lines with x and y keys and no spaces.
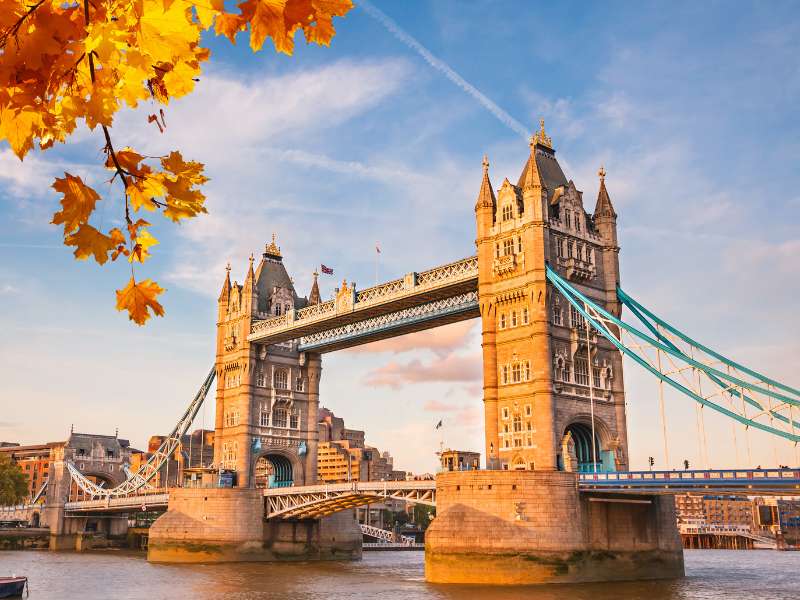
{"x":227,"y":525}
{"x":531,"y":527}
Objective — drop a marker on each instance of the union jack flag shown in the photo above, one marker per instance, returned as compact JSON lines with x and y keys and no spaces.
{"x":326,"y":270}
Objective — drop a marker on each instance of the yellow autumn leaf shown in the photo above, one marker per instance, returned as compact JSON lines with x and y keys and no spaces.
{"x":77,"y":203}
{"x":141,"y":249}
{"x":139,"y":299}
{"x":88,"y":241}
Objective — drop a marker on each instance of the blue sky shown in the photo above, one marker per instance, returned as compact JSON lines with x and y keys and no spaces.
{"x":692,"y":110}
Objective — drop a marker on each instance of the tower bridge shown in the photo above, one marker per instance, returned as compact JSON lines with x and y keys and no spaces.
{"x":557,"y":501}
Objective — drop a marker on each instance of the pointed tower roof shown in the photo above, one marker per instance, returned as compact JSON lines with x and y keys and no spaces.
{"x":530,"y":178}
{"x":543,"y":159}
{"x":486,"y":198}
{"x":250,"y":279}
{"x":314,"y":297}
{"x":604,"y":208}
{"x":225,"y":294}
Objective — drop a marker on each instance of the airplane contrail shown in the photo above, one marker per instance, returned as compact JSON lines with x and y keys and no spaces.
{"x":501,"y":115}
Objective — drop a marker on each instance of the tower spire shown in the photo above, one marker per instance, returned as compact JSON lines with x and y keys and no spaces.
{"x":250,"y":279}
{"x":225,"y":294}
{"x":314,"y":297}
{"x":486,"y":197}
{"x":603,"y":208}
{"x":530,"y":178}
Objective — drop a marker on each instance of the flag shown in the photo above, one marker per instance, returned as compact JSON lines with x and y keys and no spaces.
{"x":326,"y":270}
{"x":439,"y":424}
{"x":377,"y":248}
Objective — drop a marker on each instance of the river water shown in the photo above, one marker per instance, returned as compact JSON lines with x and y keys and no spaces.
{"x":711,"y":575}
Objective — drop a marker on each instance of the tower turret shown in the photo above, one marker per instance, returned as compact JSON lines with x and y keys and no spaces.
{"x":486,"y":205}
{"x":314,"y":297}
{"x":605,"y":222}
{"x":225,"y":294}
{"x":249,"y":291}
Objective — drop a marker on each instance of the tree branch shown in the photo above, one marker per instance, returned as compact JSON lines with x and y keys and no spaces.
{"x":12,"y":31}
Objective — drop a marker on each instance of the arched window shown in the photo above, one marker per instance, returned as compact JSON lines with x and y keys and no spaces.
{"x":281,"y":379}
{"x":507,"y":212}
{"x":279,"y":417}
{"x":513,"y":318}
{"x":525,"y":316}
{"x":497,"y":250}
{"x":568,"y":218}
{"x":264,"y":417}
{"x":581,"y":371}
{"x":294,"y":419}
{"x":516,"y":372}
{"x":557,"y":312}
{"x":505,"y":374}
{"x":261,"y":378}
{"x":508,"y":246}
{"x":517,"y":423}
{"x":502,"y":320}
{"x":577,"y":222}
{"x":277,"y":310}
{"x":527,"y":370}
{"x":519,"y":245}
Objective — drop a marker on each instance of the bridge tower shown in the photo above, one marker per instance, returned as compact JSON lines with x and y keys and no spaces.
{"x":553,"y":391}
{"x":267,"y":395}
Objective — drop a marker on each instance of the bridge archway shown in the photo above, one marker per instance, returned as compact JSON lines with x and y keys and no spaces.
{"x":276,"y":468}
{"x":35,"y":519}
{"x":577,"y":453}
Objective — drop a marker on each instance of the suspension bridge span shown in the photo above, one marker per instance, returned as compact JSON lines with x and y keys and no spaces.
{"x":557,"y":500}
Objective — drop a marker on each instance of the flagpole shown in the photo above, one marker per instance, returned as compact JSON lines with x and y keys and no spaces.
{"x":377,"y":256}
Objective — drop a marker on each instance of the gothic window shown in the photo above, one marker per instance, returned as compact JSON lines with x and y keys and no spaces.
{"x":516,"y":372}
{"x":556,"y":312}
{"x":277,"y":310}
{"x":581,"y":252}
{"x":230,"y":451}
{"x":261,"y":378}
{"x":505,"y":412}
{"x":527,"y":370}
{"x":502,"y":320}
{"x":505,"y":427}
{"x":590,"y":256}
{"x":505,"y":376}
{"x":565,"y":372}
{"x":525,"y":316}
{"x":497,"y":250}
{"x":263,"y":420}
{"x":528,"y":412}
{"x":287,"y":308}
{"x":513,"y":318}
{"x":576,"y":319}
{"x":517,"y":443}
{"x":294,"y":419}
{"x":530,"y":443}
{"x":279,"y":417}
{"x":570,"y":250}
{"x":577,"y":222}
{"x":581,"y":371}
{"x":529,"y":426}
{"x":508,"y":246}
{"x":559,"y":251}
{"x":507,"y":212}
{"x":517,"y":423}
{"x":596,"y":377}
{"x":519,"y":245}
{"x":281,"y":380}
{"x":506,"y":445}
{"x":299,"y":384}
{"x":568,"y":218}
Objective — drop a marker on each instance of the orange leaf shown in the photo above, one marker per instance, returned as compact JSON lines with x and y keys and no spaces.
{"x":88,"y":241}
{"x":139,"y":299}
{"x":77,"y":204}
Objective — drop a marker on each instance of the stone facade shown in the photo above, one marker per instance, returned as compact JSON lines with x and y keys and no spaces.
{"x":513,"y":528}
{"x":542,"y":370}
{"x":267,"y":396}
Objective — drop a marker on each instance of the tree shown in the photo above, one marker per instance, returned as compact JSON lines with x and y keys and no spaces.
{"x":13,"y":483}
{"x":63,"y":61}
{"x":423,"y":515}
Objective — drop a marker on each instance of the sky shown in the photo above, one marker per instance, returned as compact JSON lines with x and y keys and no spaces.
{"x":379,"y":138}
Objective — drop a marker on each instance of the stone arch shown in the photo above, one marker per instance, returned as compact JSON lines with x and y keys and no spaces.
{"x":276,"y":467}
{"x":576,"y":445}
{"x":36,"y":519}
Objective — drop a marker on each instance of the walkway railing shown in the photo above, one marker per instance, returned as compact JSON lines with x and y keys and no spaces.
{"x":757,"y":480}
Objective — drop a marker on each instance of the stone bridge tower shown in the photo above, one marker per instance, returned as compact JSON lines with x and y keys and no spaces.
{"x":544,"y":374}
{"x":267,"y":396}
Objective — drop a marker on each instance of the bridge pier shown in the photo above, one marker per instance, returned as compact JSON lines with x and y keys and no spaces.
{"x":228,"y":525}
{"x":529,"y":527}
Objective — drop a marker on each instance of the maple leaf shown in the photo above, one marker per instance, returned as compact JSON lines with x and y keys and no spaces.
{"x":77,"y":204}
{"x":88,"y":241}
{"x":139,"y":299}
{"x":142,"y":240}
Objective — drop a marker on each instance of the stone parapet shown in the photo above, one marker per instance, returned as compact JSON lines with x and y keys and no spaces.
{"x":527,"y":527}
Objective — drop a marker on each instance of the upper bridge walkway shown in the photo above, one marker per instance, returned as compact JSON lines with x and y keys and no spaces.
{"x":431,"y":298}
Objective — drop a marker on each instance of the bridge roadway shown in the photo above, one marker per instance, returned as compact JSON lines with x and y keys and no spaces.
{"x":431,"y":298}
{"x":315,"y":501}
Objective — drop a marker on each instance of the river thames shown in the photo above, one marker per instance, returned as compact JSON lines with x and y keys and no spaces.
{"x":711,"y":575}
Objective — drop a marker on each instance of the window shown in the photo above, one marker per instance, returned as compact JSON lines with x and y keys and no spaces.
{"x":530,"y":443}
{"x":230,"y":451}
{"x":576,"y":319}
{"x":508,"y":246}
{"x":527,"y":371}
{"x":517,"y":443}
{"x":565,"y":372}
{"x":264,"y":417}
{"x":281,"y":379}
{"x":525,"y":316}
{"x":506,"y":445}
{"x":505,"y":427}
{"x":590,"y":256}
{"x":497,"y":250}
{"x":517,"y":423}
{"x":505,"y":412}
{"x":528,"y":413}
{"x":507,"y":212}
{"x":513,"y":318}
{"x":577,"y":222}
{"x":502,"y":320}
{"x":596,"y":377}
{"x":277,"y":310}
{"x":570,"y":249}
{"x":568,"y":218}
{"x":505,"y":377}
{"x":556,"y":312}
{"x":294,"y":419}
{"x":529,"y":426}
{"x":232,"y":380}
{"x":559,"y":248}
{"x":519,"y":245}
{"x":261,"y":378}
{"x":516,"y":373}
{"x":279,"y":417}
{"x":581,"y":372}
{"x":299,"y":384}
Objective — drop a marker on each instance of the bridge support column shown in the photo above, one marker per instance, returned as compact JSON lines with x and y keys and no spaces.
{"x":314,"y":366}
{"x":227,"y":525}
{"x":529,"y":527}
